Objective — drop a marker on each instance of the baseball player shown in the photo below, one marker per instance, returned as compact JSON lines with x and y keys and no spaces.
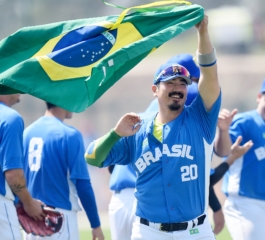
{"x":165,"y":150}
{"x":243,"y":184}
{"x":12,"y":179}
{"x":56,"y":171}
{"x":123,"y":178}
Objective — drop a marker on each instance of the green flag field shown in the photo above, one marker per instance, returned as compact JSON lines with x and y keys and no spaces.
{"x":73,"y":63}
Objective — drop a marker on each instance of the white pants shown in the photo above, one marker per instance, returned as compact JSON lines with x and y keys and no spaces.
{"x":9,"y":225}
{"x":152,"y":232}
{"x":245,"y":218}
{"x":121,"y":214}
{"x":69,"y":230}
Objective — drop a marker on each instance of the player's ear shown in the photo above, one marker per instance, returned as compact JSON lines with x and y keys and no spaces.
{"x":155,"y":90}
{"x":259,"y":97}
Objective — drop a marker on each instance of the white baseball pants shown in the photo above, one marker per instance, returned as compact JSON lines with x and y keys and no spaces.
{"x":9,"y":225}
{"x":245,"y":218}
{"x":200,"y":232}
{"x":122,"y":214}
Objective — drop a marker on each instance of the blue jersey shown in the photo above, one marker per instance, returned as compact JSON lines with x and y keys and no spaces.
{"x":172,"y":176}
{"x":122,"y":177}
{"x":246,"y":176}
{"x":53,"y":161}
{"x":11,"y":150}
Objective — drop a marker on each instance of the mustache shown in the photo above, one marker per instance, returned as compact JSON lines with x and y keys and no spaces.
{"x":176,"y":92}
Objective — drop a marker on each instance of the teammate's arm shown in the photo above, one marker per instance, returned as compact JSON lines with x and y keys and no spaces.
{"x":213,"y":201}
{"x":208,"y":84}
{"x":218,"y":173}
{"x":17,"y":183}
{"x":98,"y":150}
{"x":223,"y":141}
{"x":87,"y":198}
{"x":79,"y":176}
{"x":218,"y":216}
{"x":237,"y":150}
{"x":12,"y":166}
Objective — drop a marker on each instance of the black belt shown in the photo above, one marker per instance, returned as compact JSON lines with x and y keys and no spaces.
{"x":171,"y":227}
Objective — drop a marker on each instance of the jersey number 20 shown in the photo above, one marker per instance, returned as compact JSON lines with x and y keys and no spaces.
{"x":189,"y":173}
{"x":35,"y":151}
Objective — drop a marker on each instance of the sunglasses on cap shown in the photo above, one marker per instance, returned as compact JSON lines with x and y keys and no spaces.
{"x":172,"y":72}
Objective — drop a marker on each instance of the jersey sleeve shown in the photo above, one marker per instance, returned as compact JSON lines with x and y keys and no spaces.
{"x":213,"y":201}
{"x":75,"y":156}
{"x":87,"y":198}
{"x":12,"y":143}
{"x":119,"y":154}
{"x":108,"y":150}
{"x":218,"y":173}
{"x":99,"y":149}
{"x":206,"y":119}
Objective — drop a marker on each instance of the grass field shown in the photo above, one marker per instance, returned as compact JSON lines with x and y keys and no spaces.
{"x":86,"y":235}
{"x":224,"y":235}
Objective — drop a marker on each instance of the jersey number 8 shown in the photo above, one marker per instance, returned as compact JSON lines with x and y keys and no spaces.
{"x":35,"y":151}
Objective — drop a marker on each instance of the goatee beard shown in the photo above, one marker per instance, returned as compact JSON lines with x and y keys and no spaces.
{"x":174,"y":107}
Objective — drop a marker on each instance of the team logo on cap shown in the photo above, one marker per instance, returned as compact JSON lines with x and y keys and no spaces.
{"x":177,"y":69}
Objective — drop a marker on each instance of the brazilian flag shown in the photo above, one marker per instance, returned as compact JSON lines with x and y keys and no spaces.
{"x":72,"y":63}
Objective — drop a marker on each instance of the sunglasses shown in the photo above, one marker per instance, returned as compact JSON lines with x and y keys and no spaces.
{"x":172,"y":72}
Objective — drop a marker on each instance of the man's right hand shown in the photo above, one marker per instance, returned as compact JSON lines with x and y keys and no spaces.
{"x":125,"y":126}
{"x":34,"y":209}
{"x":202,"y":26}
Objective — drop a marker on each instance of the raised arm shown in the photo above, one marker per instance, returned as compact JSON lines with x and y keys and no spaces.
{"x":208,"y":84}
{"x":223,"y":143}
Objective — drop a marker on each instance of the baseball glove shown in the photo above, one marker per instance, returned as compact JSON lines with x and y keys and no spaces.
{"x":51,"y":224}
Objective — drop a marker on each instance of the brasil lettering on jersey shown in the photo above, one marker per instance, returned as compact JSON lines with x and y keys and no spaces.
{"x":177,"y":150}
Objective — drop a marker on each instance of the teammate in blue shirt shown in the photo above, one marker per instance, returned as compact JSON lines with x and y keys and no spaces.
{"x":12,"y":179}
{"x":56,"y":171}
{"x":243,"y":184}
{"x":170,"y":151}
